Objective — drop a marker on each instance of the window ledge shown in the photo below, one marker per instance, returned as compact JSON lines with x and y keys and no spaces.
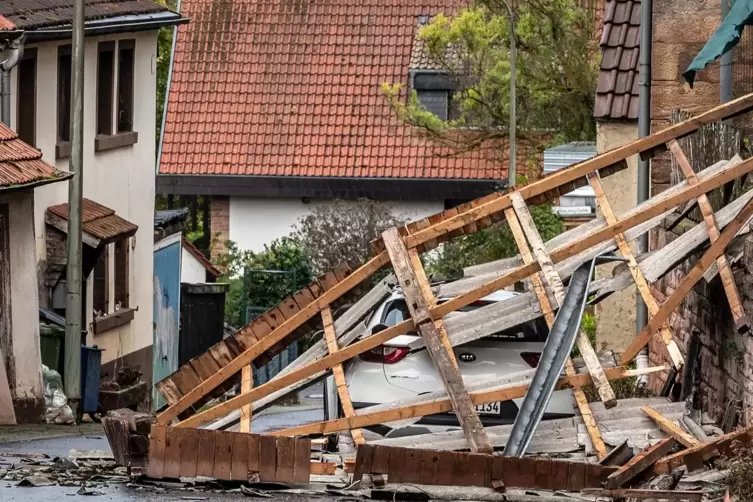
{"x":104,"y":142}
{"x":113,"y":320}
{"x":62,"y":149}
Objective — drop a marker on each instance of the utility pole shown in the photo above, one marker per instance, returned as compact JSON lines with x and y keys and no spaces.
{"x":512,"y":171}
{"x":725,"y":65}
{"x":74,"y":273}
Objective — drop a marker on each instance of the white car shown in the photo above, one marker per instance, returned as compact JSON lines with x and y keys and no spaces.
{"x":398,"y":370}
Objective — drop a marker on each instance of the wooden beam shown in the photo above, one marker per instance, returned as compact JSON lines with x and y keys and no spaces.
{"x":419,"y":299}
{"x":640,"y":280}
{"x":688,"y":282}
{"x":639,"y":463}
{"x":702,"y":450}
{"x":635,"y":493}
{"x":247,"y":383}
{"x":606,"y":393}
{"x":573,"y":173}
{"x":337,"y":370}
{"x":444,"y":405}
{"x":538,"y":286}
{"x":728,"y":280}
{"x":516,"y":274}
{"x":670,"y":428}
{"x":279,"y":333}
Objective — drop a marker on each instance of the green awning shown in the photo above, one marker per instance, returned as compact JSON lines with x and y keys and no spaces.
{"x":724,"y":38}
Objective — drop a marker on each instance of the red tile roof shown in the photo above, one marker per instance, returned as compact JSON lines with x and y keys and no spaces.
{"x":617,"y":88}
{"x":280,"y":88}
{"x":21,"y":164}
{"x":98,"y":221}
{"x":196,"y":252}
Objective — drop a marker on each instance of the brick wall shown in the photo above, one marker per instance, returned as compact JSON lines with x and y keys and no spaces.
{"x":219,"y":217}
{"x":725,"y":362}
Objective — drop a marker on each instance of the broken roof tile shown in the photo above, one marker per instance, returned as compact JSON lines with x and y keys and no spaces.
{"x":21,"y":164}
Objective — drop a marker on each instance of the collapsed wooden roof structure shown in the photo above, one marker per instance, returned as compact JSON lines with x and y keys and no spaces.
{"x":545,"y":265}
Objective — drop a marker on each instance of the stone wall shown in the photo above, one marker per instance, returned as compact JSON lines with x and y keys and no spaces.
{"x":724,"y":369}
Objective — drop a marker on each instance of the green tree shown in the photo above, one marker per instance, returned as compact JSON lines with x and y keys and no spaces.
{"x":263,"y":289}
{"x":492,"y":243}
{"x":164,"y":57}
{"x":557,"y":66}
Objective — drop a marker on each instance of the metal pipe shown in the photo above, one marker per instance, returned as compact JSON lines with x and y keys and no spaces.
{"x":725,"y":65}
{"x":167,"y":92}
{"x":16,"y":51}
{"x":74,"y":272}
{"x":644,"y":129}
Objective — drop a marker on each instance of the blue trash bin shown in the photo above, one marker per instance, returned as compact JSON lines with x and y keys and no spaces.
{"x":91,"y":366}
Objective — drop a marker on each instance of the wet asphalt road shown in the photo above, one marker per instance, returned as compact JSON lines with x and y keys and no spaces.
{"x":279,"y":417}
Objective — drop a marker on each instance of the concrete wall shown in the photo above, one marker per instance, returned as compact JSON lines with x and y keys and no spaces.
{"x":24,"y":374}
{"x":121,"y":179}
{"x":191,"y":269}
{"x":616,"y":314}
{"x":255,"y":221}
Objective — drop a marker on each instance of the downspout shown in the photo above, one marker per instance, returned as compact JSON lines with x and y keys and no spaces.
{"x":16,"y":49}
{"x":167,"y":92}
{"x":644,"y":168}
{"x":725,"y":65}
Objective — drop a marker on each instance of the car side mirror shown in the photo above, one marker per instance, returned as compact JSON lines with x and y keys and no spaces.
{"x":379,"y":327}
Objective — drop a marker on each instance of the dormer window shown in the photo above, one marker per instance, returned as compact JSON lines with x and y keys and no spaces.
{"x":435,"y":92}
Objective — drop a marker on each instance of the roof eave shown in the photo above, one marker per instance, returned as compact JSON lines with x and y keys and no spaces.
{"x":120,"y":24}
{"x":62,"y":176}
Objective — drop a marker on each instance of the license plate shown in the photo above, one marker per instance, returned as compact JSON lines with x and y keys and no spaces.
{"x":488,"y":409}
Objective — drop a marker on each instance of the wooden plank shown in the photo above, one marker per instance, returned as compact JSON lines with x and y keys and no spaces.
{"x":461,"y":467}
{"x":538,"y":286}
{"x":444,"y":405}
{"x":445,"y":460}
{"x":172,"y":453}
{"x":415,"y":291}
{"x":169,"y":391}
{"x":157,"y":437}
{"x":323,"y":468}
{"x":560,"y":472}
{"x":477,"y":469}
{"x":509,"y":466}
{"x":364,"y":458}
{"x":302,"y":462}
{"x":428,"y":468}
{"x":542,"y":473}
{"x":412,"y":466}
{"x":670,"y":428}
{"x":290,"y":325}
{"x":704,"y":450}
{"x":339,"y":376}
{"x":253,"y":454}
{"x":688,"y":282}
{"x":526,"y":473}
{"x":380,"y":463}
{"x":639,"y":463}
{"x":267,"y":458}
{"x":640,"y":280}
{"x":189,"y":454}
{"x":635,"y":493}
{"x":604,"y":389}
{"x":654,"y":208}
{"x":205,"y":365}
{"x":206,"y":447}
{"x":725,"y":272}
{"x":396,"y":473}
{"x":247,"y":412}
{"x":221,"y":354}
{"x":576,"y":476}
{"x":223,"y":446}
{"x":285,"y":459}
{"x":239,"y":458}
{"x":582,"y":169}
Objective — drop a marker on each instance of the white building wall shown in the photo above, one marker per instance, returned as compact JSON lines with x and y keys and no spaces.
{"x":191,"y":269}
{"x":24,"y":295}
{"x":256,"y":221}
{"x":121,"y":179}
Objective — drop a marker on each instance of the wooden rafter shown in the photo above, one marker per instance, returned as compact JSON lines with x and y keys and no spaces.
{"x":247,"y":383}
{"x":538,"y":286}
{"x":640,"y":280}
{"x":444,"y":405}
{"x":606,"y":393}
{"x":652,"y":209}
{"x":670,"y":428}
{"x":728,"y":280}
{"x":419,"y":299}
{"x":337,"y":371}
{"x":688,"y":282}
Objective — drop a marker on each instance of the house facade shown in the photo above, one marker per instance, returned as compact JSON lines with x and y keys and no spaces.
{"x":22,"y":171}
{"x":290,"y":115}
{"x":118,"y":158}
